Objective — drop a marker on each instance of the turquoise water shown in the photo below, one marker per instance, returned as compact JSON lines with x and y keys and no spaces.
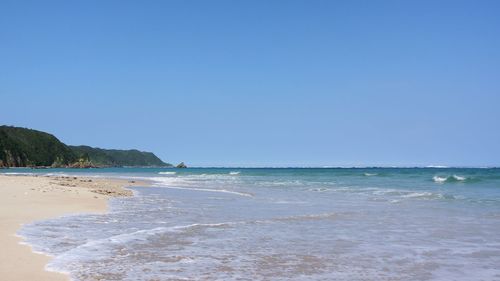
{"x":283,"y":224}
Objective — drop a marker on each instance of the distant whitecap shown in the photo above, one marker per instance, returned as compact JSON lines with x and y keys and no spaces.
{"x":453,"y":178}
{"x":167,"y":173}
{"x":439,"y":179}
{"x":459,"y":178}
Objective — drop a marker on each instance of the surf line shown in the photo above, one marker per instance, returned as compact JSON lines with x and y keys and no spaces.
{"x":209,"y":190}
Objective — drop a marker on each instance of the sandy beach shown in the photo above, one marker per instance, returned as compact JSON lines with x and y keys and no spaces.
{"x":24,"y":199}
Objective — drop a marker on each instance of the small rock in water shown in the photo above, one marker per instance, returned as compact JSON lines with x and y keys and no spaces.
{"x":181,"y":165}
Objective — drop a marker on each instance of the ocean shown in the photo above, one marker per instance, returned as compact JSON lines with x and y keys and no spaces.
{"x":283,"y":224}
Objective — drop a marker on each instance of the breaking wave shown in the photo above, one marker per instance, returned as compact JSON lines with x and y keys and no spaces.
{"x":167,"y":173}
{"x":452,"y":178}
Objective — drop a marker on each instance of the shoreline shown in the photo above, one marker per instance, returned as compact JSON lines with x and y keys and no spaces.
{"x":28,"y":198}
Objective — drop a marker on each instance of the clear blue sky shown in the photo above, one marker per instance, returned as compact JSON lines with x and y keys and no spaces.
{"x":259,"y":83}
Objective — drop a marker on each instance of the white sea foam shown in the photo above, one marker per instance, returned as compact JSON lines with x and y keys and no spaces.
{"x":18,"y":174}
{"x":370,"y":174}
{"x":442,"y":179}
{"x":233,"y":173}
{"x":58,"y":174}
{"x":311,"y":216}
{"x":210,"y":190}
{"x":95,"y":246}
{"x":318,"y":189}
{"x":459,"y":178}
{"x":439,"y":179}
{"x":423,"y":195}
{"x":167,"y":173}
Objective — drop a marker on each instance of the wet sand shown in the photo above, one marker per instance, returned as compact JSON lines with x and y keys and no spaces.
{"x":24,"y":199}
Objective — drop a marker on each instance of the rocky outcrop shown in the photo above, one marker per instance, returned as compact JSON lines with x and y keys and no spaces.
{"x":181,"y":165}
{"x":82,"y":163}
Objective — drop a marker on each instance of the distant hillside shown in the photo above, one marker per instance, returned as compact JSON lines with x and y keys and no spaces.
{"x":21,"y":147}
{"x":115,"y":157}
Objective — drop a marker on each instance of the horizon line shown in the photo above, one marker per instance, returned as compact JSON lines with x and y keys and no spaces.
{"x":347,"y":167}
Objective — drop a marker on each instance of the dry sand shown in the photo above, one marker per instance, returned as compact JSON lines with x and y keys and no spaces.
{"x":24,"y":199}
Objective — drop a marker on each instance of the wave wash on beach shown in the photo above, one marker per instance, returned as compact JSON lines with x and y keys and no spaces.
{"x":284,"y":224}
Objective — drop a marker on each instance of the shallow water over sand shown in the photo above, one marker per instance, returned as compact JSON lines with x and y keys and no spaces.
{"x":286,"y":224}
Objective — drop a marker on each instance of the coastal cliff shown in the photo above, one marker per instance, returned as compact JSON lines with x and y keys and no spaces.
{"x":22,"y":147}
{"x":115,"y":157}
